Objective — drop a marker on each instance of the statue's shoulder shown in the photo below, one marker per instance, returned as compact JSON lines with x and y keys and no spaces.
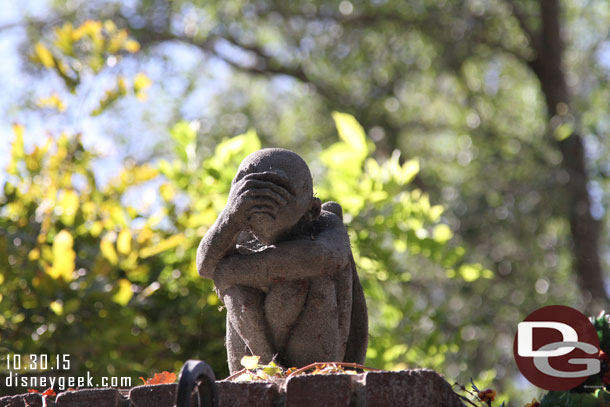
{"x":334,"y":208}
{"x":331,"y":217}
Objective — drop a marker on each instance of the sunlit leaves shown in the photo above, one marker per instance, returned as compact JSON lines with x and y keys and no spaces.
{"x":124,"y":293}
{"x":123,"y":87}
{"x":250,"y":362}
{"x":472,"y":272}
{"x":52,"y":102}
{"x":63,"y":256}
{"x":166,"y":244}
{"x":108,"y":250}
{"x":111,"y":95}
{"x":141,"y":83}
{"x":124,"y":241}
{"x":87,"y":46}
{"x":57,"y":307}
{"x":17,"y":149}
{"x":185,"y":137}
{"x":44,"y":56}
{"x":351,"y":133}
{"x":68,"y":202}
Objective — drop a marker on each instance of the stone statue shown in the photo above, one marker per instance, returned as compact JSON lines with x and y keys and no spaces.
{"x":282,"y":264}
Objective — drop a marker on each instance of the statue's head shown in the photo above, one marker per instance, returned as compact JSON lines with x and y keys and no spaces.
{"x":284,"y":181}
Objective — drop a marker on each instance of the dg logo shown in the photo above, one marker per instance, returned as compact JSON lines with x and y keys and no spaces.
{"x":556,"y":348}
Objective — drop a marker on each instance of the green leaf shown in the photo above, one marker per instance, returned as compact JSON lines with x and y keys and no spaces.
{"x":351,"y":132}
{"x":272,"y":369}
{"x":470,"y":272}
{"x":409,"y":170}
{"x":563,"y":131}
{"x":185,"y":136}
{"x":442,"y":233}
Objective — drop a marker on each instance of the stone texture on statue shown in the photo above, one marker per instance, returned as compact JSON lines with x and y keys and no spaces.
{"x":282,"y":264}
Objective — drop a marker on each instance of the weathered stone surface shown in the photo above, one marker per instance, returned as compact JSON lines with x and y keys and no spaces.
{"x":318,"y":390}
{"x":89,"y":397}
{"x":22,"y":400}
{"x":232,"y":394}
{"x":409,"y":388}
{"x":158,"y":395}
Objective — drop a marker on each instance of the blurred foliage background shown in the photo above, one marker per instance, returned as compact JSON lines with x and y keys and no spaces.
{"x":469,"y":156}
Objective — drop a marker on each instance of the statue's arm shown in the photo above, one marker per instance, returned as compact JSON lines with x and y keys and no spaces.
{"x":328,"y":252}
{"x":218,"y":242}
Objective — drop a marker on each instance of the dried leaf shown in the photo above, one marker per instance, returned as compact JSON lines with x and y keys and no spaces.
{"x":164,"y":377}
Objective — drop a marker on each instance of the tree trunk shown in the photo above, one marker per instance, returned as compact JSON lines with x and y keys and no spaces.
{"x":585,"y":229}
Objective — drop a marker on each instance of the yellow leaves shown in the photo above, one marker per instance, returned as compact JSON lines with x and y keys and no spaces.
{"x":111,"y":95}
{"x":52,"y":102}
{"x":33,"y":255}
{"x":43,"y":55}
{"x":63,"y":256}
{"x":89,"y":28}
{"x":64,"y":38}
{"x":17,"y":148}
{"x":167,"y":192}
{"x":1,"y":278}
{"x":141,"y":83}
{"x":124,"y":242}
{"x":124,"y":293}
{"x":57,"y":307}
{"x":68,"y":201}
{"x":96,"y":228}
{"x":250,"y":362}
{"x":163,"y":245}
{"x":110,"y":27}
{"x":90,"y":45}
{"x":131,"y":46}
{"x":107,"y":249}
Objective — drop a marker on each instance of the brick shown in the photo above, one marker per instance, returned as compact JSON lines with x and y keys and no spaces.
{"x":408,"y":388}
{"x":318,"y":390}
{"x":89,"y":397}
{"x":158,"y":395}
{"x":22,"y":400}
{"x":231,"y":394}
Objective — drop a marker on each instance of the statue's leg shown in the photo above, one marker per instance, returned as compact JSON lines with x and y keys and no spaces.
{"x":236,"y":348}
{"x":246,"y":315}
{"x":283,"y":305}
{"x":315,"y":335}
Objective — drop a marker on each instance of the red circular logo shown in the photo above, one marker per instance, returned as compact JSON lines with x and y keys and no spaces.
{"x":556,"y":348}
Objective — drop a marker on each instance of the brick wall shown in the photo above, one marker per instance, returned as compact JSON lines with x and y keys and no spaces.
{"x":412,"y":388}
